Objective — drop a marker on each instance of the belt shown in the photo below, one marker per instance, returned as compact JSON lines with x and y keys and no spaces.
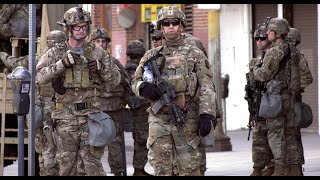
{"x":77,"y":106}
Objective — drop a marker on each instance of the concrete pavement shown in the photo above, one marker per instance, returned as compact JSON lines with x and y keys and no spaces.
{"x":230,"y":163}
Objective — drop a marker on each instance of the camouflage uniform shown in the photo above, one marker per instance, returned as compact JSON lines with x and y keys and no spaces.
{"x":183,"y":64}
{"x":138,"y":107}
{"x":275,"y":67}
{"x":45,"y":94}
{"x":294,"y":38}
{"x":77,"y":79}
{"x":113,"y":103}
{"x":189,"y":39}
{"x":261,"y":152}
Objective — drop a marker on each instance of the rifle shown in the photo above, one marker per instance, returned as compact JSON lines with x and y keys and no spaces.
{"x":176,"y":114}
{"x":253,"y":102}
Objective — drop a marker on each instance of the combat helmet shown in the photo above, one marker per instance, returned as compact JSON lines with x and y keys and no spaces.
{"x":294,"y":36}
{"x":157,"y":33}
{"x":278,"y":25}
{"x":100,"y":32}
{"x":75,"y":16}
{"x":261,"y":31}
{"x":171,"y":12}
{"x":135,"y":47}
{"x":55,"y":37}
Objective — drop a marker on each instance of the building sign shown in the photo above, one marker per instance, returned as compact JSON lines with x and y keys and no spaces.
{"x":149,"y":12}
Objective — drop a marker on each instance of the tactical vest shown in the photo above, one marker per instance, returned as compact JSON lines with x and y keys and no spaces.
{"x":176,"y":71}
{"x":79,"y":76}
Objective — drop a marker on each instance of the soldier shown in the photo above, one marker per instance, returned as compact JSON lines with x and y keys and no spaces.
{"x":77,"y":77}
{"x":261,"y":152}
{"x":294,"y":38}
{"x":180,"y":64}
{"x":278,"y":70}
{"x":189,"y":39}
{"x":156,"y":38}
{"x":44,"y":101}
{"x":113,"y":103}
{"x":138,"y":107}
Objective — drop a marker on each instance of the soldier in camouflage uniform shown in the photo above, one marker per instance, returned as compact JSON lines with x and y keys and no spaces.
{"x":113,"y":103}
{"x":138,"y":107}
{"x":189,"y":39}
{"x":294,"y":38}
{"x":45,"y":94}
{"x":186,"y":68}
{"x":156,"y":38}
{"x":276,"y":67}
{"x":77,"y":76}
{"x":261,"y":152}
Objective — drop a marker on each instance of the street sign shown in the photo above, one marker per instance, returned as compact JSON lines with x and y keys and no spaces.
{"x":149,"y":12}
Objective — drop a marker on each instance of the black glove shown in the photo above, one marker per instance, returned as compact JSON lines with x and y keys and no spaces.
{"x":149,"y":91}
{"x":204,"y":126}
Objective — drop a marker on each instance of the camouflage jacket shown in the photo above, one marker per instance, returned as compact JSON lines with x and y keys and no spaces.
{"x":117,"y":98}
{"x":81,"y":85}
{"x":270,"y":67}
{"x":130,"y":68}
{"x":305,"y":73}
{"x":193,"y":65}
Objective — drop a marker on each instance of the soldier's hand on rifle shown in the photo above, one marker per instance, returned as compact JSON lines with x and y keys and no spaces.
{"x":149,"y":91}
{"x":204,"y":126}
{"x":69,"y":58}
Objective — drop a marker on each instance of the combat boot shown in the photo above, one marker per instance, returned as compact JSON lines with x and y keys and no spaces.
{"x":256,"y":171}
{"x":295,"y":170}
{"x":140,"y":172}
{"x":268,"y":171}
{"x":279,"y":171}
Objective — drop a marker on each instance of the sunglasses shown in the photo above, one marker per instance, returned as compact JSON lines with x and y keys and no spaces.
{"x":167,"y":22}
{"x":260,"y":38}
{"x":154,"y":38}
{"x":77,"y":28}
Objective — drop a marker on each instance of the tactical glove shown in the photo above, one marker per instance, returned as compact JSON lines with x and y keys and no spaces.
{"x":69,"y":58}
{"x":205,"y":124}
{"x":149,"y":91}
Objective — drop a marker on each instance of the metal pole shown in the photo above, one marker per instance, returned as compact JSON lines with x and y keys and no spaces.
{"x":32,"y":60}
{"x":20,"y":145}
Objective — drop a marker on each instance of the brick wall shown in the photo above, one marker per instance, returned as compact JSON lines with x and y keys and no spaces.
{"x":200,"y":25}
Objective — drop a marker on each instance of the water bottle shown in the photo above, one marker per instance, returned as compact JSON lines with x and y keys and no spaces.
{"x":147,"y":75}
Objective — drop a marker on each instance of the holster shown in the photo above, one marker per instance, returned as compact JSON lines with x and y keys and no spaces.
{"x":48,"y":132}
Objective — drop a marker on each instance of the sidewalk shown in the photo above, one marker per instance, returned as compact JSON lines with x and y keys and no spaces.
{"x":230,"y":163}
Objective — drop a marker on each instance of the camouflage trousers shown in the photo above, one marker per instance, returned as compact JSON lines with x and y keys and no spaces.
{"x":294,"y":146}
{"x":140,"y":136}
{"x":282,"y":135}
{"x":47,"y":155}
{"x":164,"y":142}
{"x":114,"y":148}
{"x":203,"y":163}
{"x":74,"y":156}
{"x":261,"y":152}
